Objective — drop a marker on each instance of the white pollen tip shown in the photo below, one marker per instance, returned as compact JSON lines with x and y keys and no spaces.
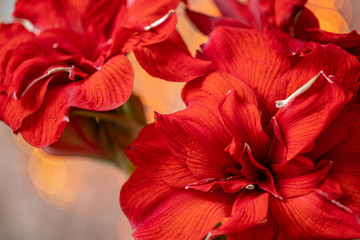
{"x":55,"y":45}
{"x":208,"y":236}
{"x":29,"y":26}
{"x":250,"y":186}
{"x":15,"y":96}
{"x":280,"y":103}
{"x":186,"y":187}
{"x":66,"y":119}
{"x":48,"y":73}
{"x":159,"y":21}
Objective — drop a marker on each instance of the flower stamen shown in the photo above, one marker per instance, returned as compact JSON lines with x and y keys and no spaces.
{"x":250,"y":186}
{"x":282,"y":103}
{"x":159,"y":21}
{"x":48,"y":73}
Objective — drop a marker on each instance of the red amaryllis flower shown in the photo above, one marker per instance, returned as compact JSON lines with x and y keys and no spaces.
{"x":268,"y":148}
{"x":72,"y":58}
{"x":289,"y":16}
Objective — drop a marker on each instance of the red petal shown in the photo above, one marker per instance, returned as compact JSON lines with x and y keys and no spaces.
{"x":11,"y":36}
{"x":147,"y":12}
{"x":285,"y":12}
{"x":305,"y":21}
{"x":144,"y":23}
{"x":206,"y":24}
{"x":70,"y":14}
{"x":309,"y":113}
{"x":140,"y":195}
{"x":266,"y":230}
{"x":346,"y":169}
{"x":293,"y":48}
{"x":347,"y":41}
{"x":254,"y":62}
{"x":13,"y":32}
{"x":250,"y":208}
{"x":185,"y":215}
{"x":197,"y":136}
{"x":242,"y":119}
{"x":346,"y":172}
{"x":126,"y":38}
{"x":277,"y":149}
{"x":49,"y":14}
{"x":256,"y":173}
{"x":297,"y":177}
{"x":341,"y":66}
{"x":28,"y":62}
{"x":14,"y":111}
{"x":331,"y":189}
{"x":105,"y":90}
{"x":259,"y":58}
{"x":164,"y":60}
{"x":336,"y":133}
{"x":150,"y":151}
{"x":314,"y":217}
{"x":241,"y":12}
{"x":30,"y":72}
{"x":216,"y":85}
{"x":231,"y":184}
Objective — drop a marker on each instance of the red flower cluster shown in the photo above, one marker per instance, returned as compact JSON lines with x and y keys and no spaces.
{"x":291,"y":17}
{"x":267,"y":148}
{"x":72,"y":57}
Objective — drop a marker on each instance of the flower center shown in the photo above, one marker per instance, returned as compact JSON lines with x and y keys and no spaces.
{"x":250,"y":186}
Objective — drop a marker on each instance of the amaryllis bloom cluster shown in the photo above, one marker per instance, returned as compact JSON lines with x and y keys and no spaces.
{"x":267,"y":148}
{"x":61,"y":55}
{"x":291,"y":17}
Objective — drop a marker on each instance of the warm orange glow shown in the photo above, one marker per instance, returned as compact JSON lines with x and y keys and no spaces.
{"x":52,"y":178}
{"x":205,"y":6}
{"x":329,"y":17}
{"x":323,"y":3}
{"x":191,"y":36}
{"x":157,"y":95}
{"x":48,"y":174}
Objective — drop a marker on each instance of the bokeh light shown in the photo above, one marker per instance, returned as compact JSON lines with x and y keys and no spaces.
{"x":329,"y":16}
{"x":56,"y":184}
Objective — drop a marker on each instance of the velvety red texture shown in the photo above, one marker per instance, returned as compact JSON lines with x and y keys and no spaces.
{"x":289,"y":16}
{"x":72,"y":55}
{"x":267,"y":148}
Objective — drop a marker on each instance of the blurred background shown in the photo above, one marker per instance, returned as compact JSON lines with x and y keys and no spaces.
{"x":43,"y":197}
